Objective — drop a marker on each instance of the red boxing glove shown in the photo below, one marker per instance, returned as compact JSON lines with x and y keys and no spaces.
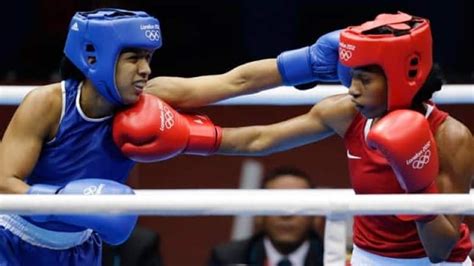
{"x":405,"y":138}
{"x":152,"y":131}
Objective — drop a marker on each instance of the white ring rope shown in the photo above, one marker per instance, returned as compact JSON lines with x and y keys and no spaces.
{"x":192,"y":202}
{"x":450,"y":94}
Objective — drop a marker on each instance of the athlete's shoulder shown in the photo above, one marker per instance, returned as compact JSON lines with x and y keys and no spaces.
{"x":454,"y":134}
{"x":47,"y":96}
{"x":337,"y":111}
{"x":44,"y":102}
{"x":338,"y":102}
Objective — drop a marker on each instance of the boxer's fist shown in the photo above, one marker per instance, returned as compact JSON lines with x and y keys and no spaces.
{"x":151,"y":131}
{"x":405,"y":138}
{"x":113,"y":229}
{"x":319,"y":62}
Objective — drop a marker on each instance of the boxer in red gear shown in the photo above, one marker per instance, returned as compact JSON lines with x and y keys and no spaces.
{"x":392,"y":69}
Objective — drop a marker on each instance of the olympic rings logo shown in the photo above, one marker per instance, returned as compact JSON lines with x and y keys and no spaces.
{"x":423,"y":160}
{"x":345,"y":54}
{"x":153,"y":35}
{"x":93,"y":190}
{"x":168,"y":117}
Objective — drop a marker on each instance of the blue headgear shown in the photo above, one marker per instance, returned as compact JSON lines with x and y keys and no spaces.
{"x":102,"y":34}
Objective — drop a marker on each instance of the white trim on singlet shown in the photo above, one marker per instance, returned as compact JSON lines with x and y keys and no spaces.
{"x":41,"y":237}
{"x":368,"y":125}
{"x":429,"y":110}
{"x":81,"y":113}
{"x":63,"y":107}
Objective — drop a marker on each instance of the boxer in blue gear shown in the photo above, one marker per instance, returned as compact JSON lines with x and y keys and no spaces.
{"x":59,"y":140}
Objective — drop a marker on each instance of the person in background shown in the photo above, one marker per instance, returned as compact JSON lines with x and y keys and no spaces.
{"x":281,"y":240}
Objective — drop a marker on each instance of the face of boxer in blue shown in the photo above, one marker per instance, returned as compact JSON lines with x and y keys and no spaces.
{"x":131,"y":73}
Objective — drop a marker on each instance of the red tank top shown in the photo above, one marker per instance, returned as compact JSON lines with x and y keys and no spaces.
{"x":370,"y":173}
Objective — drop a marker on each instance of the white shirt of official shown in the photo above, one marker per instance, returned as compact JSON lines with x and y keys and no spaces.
{"x":297,"y":257}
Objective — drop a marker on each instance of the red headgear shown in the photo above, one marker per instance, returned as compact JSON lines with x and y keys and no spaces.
{"x":400,"y":44}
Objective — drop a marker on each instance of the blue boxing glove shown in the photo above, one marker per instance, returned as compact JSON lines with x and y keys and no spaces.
{"x":113,"y":229}
{"x":318,"y":62}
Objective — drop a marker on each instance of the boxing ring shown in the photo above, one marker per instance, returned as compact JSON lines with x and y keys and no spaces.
{"x":337,"y":205}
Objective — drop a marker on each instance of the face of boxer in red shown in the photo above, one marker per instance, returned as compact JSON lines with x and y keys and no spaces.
{"x":369,"y":91}
{"x":287,"y":233}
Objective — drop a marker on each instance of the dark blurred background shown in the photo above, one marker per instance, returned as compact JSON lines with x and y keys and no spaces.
{"x":204,"y":37}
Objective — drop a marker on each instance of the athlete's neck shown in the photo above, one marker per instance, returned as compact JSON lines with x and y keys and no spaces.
{"x":92,"y":103}
{"x":421,"y":108}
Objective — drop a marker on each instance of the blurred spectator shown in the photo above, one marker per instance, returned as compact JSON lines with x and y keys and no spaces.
{"x":281,"y":240}
{"x":142,"y":248}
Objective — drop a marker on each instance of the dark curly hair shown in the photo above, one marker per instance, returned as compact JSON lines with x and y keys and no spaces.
{"x":433,"y":83}
{"x":69,"y":71}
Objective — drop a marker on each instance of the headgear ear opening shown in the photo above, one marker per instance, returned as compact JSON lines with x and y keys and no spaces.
{"x":413,"y":67}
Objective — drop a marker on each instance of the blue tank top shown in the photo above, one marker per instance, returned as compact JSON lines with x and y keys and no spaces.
{"x":82,"y":148}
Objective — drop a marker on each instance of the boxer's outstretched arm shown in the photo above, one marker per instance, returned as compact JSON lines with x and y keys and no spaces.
{"x":198,"y":91}
{"x":29,"y":128}
{"x":332,"y":115}
{"x":456,"y":158}
{"x":318,"y":62}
